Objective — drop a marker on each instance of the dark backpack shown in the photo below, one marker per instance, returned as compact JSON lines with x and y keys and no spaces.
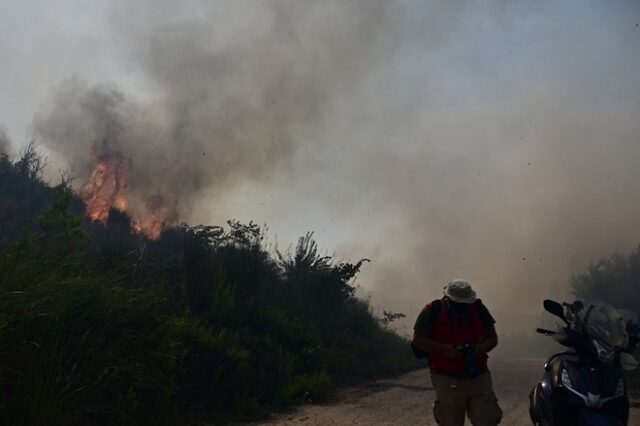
{"x":434,"y":312}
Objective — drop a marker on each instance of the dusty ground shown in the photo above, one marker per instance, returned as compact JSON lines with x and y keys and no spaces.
{"x":407,"y":400}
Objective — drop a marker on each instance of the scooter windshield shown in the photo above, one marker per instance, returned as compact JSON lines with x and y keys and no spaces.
{"x":603,"y":322}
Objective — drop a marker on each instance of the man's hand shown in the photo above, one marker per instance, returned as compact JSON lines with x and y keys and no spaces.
{"x":423,"y":342}
{"x":450,"y":352}
{"x":489,"y":342}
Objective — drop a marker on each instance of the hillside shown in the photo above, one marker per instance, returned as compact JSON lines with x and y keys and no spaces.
{"x":100,"y":325}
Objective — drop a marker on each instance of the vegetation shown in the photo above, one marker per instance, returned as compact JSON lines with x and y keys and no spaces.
{"x":100,"y":326}
{"x":615,"y":280}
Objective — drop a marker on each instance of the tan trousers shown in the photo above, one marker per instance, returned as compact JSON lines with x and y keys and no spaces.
{"x":456,"y":398}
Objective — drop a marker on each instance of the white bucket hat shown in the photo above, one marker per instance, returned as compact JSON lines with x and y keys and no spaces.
{"x":459,"y":291}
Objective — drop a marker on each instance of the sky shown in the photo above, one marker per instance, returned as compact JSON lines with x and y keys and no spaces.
{"x":496,"y":141}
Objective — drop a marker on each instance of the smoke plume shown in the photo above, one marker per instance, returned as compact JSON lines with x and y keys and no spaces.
{"x":4,"y":142}
{"x":496,"y":142}
{"x":236,"y":91}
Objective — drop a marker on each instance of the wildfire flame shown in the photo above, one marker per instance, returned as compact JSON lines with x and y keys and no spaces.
{"x":159,"y":216}
{"x":151,"y":226}
{"x":106,"y":189}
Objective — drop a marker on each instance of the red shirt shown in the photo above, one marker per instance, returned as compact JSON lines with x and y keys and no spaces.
{"x":449,"y":329}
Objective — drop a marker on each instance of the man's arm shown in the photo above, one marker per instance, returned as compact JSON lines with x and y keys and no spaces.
{"x":430,"y":346}
{"x":489,"y":342}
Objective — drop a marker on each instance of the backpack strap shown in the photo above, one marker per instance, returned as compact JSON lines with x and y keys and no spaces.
{"x":432,"y":316}
{"x":434,"y":312}
{"x":475,"y":316}
{"x":479,"y":306}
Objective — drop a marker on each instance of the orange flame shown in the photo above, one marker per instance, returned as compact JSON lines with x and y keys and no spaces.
{"x":106,"y":189}
{"x":151,"y":226}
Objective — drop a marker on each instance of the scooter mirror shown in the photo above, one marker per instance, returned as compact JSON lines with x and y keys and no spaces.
{"x":555,"y":308}
{"x":628,"y":361}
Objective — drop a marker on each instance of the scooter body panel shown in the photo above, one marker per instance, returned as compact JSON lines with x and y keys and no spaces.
{"x":574,"y":393}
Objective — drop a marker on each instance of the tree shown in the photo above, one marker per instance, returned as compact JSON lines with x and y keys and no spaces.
{"x":62,"y":233}
{"x":615,"y":280}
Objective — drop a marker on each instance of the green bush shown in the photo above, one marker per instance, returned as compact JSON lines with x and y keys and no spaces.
{"x":615,"y":280}
{"x":99,"y":326}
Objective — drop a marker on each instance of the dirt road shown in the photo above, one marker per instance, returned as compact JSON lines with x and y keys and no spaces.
{"x":407,"y":400}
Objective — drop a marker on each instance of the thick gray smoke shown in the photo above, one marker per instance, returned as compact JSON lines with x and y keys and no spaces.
{"x":497,"y":142}
{"x":236,"y":92}
{"x":4,"y":142}
{"x":515,"y":210}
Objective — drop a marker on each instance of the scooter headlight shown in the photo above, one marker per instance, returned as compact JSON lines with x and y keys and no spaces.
{"x":620,"y":388}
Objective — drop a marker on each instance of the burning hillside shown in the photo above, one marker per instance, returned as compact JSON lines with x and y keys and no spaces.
{"x":107,"y":187}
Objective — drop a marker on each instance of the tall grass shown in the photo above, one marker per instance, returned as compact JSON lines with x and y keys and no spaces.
{"x":77,"y":347}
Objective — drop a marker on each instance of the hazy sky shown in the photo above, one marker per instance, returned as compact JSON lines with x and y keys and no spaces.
{"x":497,"y":141}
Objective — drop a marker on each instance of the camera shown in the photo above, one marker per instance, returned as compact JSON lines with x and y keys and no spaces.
{"x":470,"y":361}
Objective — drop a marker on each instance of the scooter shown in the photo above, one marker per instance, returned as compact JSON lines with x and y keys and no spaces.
{"x":585,"y":385}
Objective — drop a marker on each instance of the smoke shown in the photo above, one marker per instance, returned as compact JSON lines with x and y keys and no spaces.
{"x":516,"y":210}
{"x":236,"y":92}
{"x":4,"y":142}
{"x":496,"y":142}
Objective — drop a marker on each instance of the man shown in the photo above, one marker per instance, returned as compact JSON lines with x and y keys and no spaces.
{"x":457,"y":332}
